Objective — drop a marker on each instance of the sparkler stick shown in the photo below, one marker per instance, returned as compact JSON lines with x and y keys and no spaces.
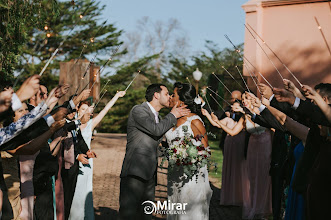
{"x":85,"y":46}
{"x":265,"y":53}
{"x":242,"y":78}
{"x":103,"y":67}
{"x":222,"y":83}
{"x":320,"y":28}
{"x":208,"y":103}
{"x":218,"y":96}
{"x":238,"y":51}
{"x":100,"y":99}
{"x":296,"y":79}
{"x":217,"y":102}
{"x":233,"y":77}
{"x":242,"y":56}
{"x":132,"y":81}
{"x":57,"y":49}
{"x":266,"y":81}
{"x":252,"y":78}
{"x":104,"y":87}
{"x":188,"y":80}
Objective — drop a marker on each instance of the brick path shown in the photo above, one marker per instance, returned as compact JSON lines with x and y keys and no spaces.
{"x":110,"y":149}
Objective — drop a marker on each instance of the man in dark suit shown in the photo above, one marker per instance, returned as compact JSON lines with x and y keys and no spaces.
{"x":144,"y":133}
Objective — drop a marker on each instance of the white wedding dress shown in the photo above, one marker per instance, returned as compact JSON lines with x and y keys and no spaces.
{"x":196,"y":192}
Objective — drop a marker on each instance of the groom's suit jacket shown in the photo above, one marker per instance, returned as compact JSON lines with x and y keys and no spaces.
{"x":143,"y":137}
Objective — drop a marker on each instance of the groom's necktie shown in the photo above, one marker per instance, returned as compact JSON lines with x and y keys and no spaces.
{"x":156,"y":117}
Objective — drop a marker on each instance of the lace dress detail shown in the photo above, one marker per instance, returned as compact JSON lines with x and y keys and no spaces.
{"x":196,"y":192}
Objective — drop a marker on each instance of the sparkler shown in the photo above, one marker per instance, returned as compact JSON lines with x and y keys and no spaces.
{"x":252,"y":78}
{"x":265,"y":53}
{"x":238,"y":51}
{"x":188,"y":80}
{"x":132,"y":81}
{"x":102,"y":68}
{"x":208,"y":103}
{"x":233,"y":77}
{"x":296,"y":79}
{"x":57,"y":49}
{"x":222,"y":83}
{"x":81,"y":52}
{"x":104,"y":87}
{"x":217,"y":102}
{"x":100,"y":99}
{"x":320,"y":28}
{"x":218,"y":95}
{"x":242,"y":78}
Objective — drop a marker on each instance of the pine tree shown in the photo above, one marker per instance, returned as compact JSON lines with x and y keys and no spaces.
{"x":78,"y":24}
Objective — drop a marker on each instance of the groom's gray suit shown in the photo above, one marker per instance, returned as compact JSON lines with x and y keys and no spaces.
{"x":140,"y":162}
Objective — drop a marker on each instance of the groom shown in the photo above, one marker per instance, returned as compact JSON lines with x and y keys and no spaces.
{"x":144,"y":134}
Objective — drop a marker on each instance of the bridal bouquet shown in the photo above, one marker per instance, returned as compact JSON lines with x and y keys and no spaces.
{"x":187,"y":151}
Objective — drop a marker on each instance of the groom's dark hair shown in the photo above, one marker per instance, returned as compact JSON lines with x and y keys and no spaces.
{"x":151,"y":89}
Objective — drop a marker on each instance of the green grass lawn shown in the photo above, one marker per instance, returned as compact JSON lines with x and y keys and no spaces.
{"x":216,"y":160}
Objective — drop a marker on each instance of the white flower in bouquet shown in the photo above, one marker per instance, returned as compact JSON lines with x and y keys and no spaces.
{"x":196,"y":143}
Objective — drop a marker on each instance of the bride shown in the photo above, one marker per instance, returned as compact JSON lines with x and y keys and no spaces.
{"x":194,"y":190}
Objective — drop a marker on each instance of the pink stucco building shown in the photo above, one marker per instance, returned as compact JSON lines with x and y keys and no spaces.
{"x":290,"y":30}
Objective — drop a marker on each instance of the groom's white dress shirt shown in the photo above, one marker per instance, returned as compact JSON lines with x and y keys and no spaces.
{"x":156,"y":114}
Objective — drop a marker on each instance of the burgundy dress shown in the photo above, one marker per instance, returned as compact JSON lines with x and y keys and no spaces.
{"x":234,"y":174}
{"x":258,"y":204}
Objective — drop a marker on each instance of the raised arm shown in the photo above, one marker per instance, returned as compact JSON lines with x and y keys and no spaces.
{"x":208,"y":116}
{"x":34,"y":145}
{"x":235,"y":130}
{"x":313,"y":95}
{"x":96,"y":120}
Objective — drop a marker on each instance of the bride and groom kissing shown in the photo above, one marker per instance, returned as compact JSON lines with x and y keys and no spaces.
{"x":145,"y":131}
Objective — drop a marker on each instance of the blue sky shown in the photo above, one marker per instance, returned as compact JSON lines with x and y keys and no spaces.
{"x":201,"y":20}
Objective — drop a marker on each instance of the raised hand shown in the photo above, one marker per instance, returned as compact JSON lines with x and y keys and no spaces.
{"x":82,"y":96}
{"x":204,"y":112}
{"x":51,"y":99}
{"x":283,"y":95}
{"x":5,"y":99}
{"x":214,"y":117}
{"x":120,"y":94}
{"x":310,"y":93}
{"x":237,"y":109}
{"x":29,"y":88}
{"x":266,"y":91}
{"x":60,"y":113}
{"x":61,"y":90}
{"x":57,"y":125}
{"x":289,"y":85}
{"x":180,"y":111}
{"x":256,"y":102}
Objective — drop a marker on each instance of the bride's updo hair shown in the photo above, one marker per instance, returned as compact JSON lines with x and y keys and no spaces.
{"x":187,"y":94}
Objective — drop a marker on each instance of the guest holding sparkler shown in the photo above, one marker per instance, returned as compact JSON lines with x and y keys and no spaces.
{"x":258,"y":202}
{"x":83,"y":194}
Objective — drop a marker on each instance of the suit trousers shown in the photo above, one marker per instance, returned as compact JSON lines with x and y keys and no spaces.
{"x":69,"y":179}
{"x":133,"y":192}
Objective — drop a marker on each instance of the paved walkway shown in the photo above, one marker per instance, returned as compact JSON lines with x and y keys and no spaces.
{"x":110,"y":149}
